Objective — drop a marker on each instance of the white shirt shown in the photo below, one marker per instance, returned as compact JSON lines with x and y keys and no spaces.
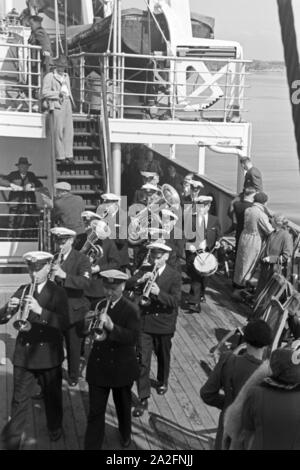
{"x":41,"y":286}
{"x":161,"y":270}
{"x":114,"y":303}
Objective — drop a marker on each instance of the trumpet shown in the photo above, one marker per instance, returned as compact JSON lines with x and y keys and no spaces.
{"x":145,"y":297}
{"x":96,"y":327}
{"x":22,"y":323}
{"x":56,"y":262}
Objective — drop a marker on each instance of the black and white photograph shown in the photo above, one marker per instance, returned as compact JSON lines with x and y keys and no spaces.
{"x":149,"y":227}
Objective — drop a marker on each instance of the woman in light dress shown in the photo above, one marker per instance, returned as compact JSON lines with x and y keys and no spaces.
{"x":256,"y":227}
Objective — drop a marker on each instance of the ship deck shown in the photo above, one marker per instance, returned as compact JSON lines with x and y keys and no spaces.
{"x":178,"y":420}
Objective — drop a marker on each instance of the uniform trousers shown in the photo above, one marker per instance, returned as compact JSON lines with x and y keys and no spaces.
{"x":24,"y":387}
{"x":63,"y":130}
{"x":198,"y":283}
{"x":161,"y":345}
{"x":74,"y":338}
{"x":98,"y":397}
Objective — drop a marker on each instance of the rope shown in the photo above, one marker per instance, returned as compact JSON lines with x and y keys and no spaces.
{"x":291,"y":56}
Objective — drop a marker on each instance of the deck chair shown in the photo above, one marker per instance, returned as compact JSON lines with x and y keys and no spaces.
{"x":277,"y":287}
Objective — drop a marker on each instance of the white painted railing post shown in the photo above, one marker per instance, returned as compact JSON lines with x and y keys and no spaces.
{"x":201,"y":160}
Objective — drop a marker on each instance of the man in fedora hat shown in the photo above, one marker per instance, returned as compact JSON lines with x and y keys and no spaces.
{"x":56,"y":91}
{"x":40,"y":37}
{"x":26,"y":181}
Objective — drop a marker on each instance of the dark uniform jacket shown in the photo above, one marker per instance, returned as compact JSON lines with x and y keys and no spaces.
{"x":109,"y":260}
{"x":161,"y":315}
{"x":78,"y":269}
{"x":40,"y":37}
{"x":212,"y":232}
{"x":67,"y":212}
{"x":42,"y":346}
{"x":113,"y":362}
{"x":253,"y":179}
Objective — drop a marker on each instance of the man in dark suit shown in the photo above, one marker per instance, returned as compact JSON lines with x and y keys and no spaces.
{"x":39,"y":348}
{"x":27,"y":182}
{"x":73,"y":272}
{"x":253,"y":177}
{"x":158,"y":321}
{"x":67,"y":210}
{"x":204,"y":235}
{"x":40,"y":37}
{"x":112,"y":363}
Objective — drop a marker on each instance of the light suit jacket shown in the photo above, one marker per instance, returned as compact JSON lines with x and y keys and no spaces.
{"x":51,"y":90}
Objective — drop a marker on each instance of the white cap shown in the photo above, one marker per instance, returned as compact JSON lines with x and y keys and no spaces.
{"x":159,"y":245}
{"x":114,"y":276}
{"x":196,"y":184}
{"x":62,"y":232}
{"x":149,"y":174}
{"x":63,"y":185}
{"x":34,"y":256}
{"x":150,"y":187}
{"x":203,"y":199}
{"x":110,"y":197}
{"x":90,"y":215}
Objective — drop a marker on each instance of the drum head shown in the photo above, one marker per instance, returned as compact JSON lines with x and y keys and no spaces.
{"x":205,"y":264}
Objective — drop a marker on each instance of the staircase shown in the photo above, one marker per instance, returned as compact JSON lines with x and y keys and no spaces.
{"x":87,"y":175}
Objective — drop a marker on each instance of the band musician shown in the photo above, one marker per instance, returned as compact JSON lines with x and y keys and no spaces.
{"x":38,"y":355}
{"x":72,"y":270}
{"x":112,"y":363}
{"x":161,"y":294}
{"x":149,"y":177}
{"x":106,"y":258}
{"x":206,"y":231}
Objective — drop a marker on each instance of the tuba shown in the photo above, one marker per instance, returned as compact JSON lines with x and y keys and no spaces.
{"x":96,"y":326}
{"x":145,"y":297}
{"x":22,"y":323}
{"x":90,"y":248}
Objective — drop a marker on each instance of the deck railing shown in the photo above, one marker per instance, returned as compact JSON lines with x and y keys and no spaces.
{"x":161,"y":87}
{"x":20,"y":77}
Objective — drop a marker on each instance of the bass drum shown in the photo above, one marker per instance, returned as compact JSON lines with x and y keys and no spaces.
{"x":205,"y":264}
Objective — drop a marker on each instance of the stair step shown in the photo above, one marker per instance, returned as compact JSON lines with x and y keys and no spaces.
{"x":85,"y":148}
{"x":86,"y":162}
{"x":85,"y":191}
{"x":80,"y":177}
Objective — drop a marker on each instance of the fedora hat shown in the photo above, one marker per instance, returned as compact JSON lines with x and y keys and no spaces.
{"x":61,"y":61}
{"x":23,"y":161}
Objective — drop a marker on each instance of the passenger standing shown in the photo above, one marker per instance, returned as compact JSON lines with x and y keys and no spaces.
{"x":57,"y":92}
{"x":239,"y":206}
{"x":256,"y":228}
{"x":40,"y":37}
{"x":271,"y":411}
{"x":67,"y":211}
{"x":232,"y":371}
{"x":253,"y":177}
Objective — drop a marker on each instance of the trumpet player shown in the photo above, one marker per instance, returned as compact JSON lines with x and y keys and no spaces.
{"x":73,"y":273}
{"x":112,"y":363}
{"x":38,"y":351}
{"x":149,"y":177}
{"x":158,"y":320}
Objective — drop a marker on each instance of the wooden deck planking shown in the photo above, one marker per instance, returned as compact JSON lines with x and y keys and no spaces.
{"x":178,"y":420}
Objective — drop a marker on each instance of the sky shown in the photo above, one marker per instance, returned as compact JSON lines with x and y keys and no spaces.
{"x":255,"y":23}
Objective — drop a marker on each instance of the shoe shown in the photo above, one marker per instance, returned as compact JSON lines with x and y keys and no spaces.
{"x":162,"y":389}
{"x":194,"y":308}
{"x":55,"y":435}
{"x":125,"y":442}
{"x":203,"y":299}
{"x":140,"y":408}
{"x":72,"y":383}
